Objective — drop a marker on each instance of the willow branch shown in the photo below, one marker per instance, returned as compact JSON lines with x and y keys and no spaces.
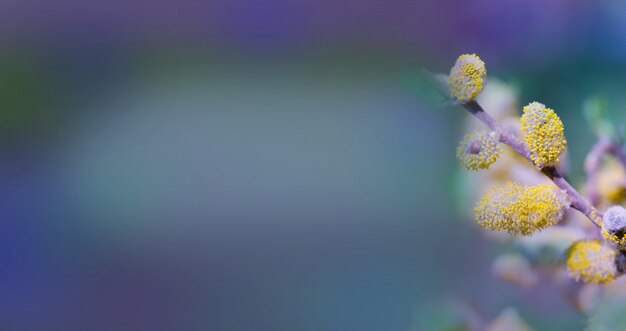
{"x":577,"y":201}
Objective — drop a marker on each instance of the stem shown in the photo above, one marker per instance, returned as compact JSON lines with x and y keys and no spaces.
{"x":617,"y":151}
{"x":505,"y":137}
{"x":576,"y":199}
{"x":604,"y":145}
{"x":593,"y":160}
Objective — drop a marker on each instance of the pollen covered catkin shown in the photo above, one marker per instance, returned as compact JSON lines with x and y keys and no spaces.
{"x":467,"y":78}
{"x":543,"y":133}
{"x":478,"y":150}
{"x":614,"y":226}
{"x":591,"y":262}
{"x":520,"y":209}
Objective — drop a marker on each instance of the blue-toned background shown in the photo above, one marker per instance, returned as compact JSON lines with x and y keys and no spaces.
{"x":266,"y":165}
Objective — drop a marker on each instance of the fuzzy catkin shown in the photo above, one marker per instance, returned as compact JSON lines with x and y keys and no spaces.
{"x":591,"y":262}
{"x":467,"y":78}
{"x":543,"y":133}
{"x":614,"y":226}
{"x":478,"y":150}
{"x":520,"y":209}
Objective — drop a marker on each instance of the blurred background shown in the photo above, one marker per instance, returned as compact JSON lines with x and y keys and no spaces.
{"x":267,"y":165}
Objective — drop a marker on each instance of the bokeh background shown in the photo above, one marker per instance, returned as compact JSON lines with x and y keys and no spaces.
{"x":267,"y":165}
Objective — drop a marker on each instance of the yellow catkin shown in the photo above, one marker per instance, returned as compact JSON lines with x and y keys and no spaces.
{"x":617,"y":239}
{"x":520,"y":209}
{"x":478,"y":150}
{"x":543,"y":132}
{"x":591,"y":262}
{"x":614,"y":226}
{"x":467,"y":78}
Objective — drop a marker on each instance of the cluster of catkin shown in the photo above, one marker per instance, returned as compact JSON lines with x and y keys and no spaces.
{"x":524,"y":210}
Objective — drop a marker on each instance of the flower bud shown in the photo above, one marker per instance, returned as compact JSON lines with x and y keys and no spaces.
{"x":520,"y":209}
{"x":543,"y":131}
{"x":467,"y":78}
{"x":614,"y":226}
{"x":478,"y":150}
{"x":591,"y":262}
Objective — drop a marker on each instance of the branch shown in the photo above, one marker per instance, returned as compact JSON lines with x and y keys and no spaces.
{"x":592,"y":164}
{"x":604,"y":145}
{"x":617,"y":151}
{"x":505,"y":136}
{"x":577,"y":201}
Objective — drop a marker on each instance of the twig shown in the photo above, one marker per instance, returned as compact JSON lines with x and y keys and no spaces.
{"x":593,"y":160}
{"x":617,"y":151}
{"x":505,"y":136}
{"x":604,"y":145}
{"x":577,"y":201}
